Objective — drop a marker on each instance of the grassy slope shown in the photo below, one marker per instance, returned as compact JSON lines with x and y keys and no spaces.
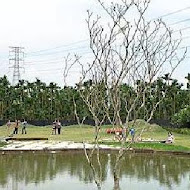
{"x":155,"y":132}
{"x":86,"y":133}
{"x":158,"y":133}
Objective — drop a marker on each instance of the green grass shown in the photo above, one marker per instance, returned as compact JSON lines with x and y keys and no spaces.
{"x":69,"y":133}
{"x":160,"y":146}
{"x":2,"y":144}
{"x":86,"y":133}
{"x":152,"y":146}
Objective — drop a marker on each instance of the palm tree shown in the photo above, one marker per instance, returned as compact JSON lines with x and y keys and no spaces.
{"x":188,"y":80}
{"x":4,"y":86}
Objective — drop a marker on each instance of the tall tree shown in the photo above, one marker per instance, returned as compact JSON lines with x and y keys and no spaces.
{"x":127,"y":50}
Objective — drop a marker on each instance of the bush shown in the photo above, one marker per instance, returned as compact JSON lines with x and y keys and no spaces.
{"x":183,"y":131}
{"x":182,"y":118}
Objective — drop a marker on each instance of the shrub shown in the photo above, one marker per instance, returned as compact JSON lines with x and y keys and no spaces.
{"x":182,"y":118}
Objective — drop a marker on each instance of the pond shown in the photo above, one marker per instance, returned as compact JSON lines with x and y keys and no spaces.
{"x":69,"y":170}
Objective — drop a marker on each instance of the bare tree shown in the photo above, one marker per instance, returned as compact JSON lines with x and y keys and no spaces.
{"x":129,"y":50}
{"x":69,"y":62}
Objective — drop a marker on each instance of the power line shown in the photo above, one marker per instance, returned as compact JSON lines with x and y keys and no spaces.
{"x":60,"y":69}
{"x":48,"y":70}
{"x":44,"y":63}
{"x":52,"y":60}
{"x":87,"y":52}
{"x":172,"y":13}
{"x":85,"y":47}
{"x":45,"y":70}
{"x":178,"y":22}
{"x":67,"y":45}
{"x":58,"y":47}
{"x":77,"y":42}
{"x":85,"y":40}
{"x":59,"y":60}
{"x":58,"y":52}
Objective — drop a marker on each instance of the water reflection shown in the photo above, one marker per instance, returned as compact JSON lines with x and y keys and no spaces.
{"x":28,"y":168}
{"x":168,"y":170}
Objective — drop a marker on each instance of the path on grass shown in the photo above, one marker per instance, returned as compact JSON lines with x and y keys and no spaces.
{"x":48,"y":145}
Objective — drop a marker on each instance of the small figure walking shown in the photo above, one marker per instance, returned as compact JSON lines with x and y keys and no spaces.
{"x":58,"y":125}
{"x":54,"y":128}
{"x":16,"y":127}
{"x":132,"y":133}
{"x":8,"y":126}
{"x":24,"y":123}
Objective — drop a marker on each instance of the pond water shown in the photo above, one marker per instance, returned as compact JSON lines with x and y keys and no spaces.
{"x":70,"y":171}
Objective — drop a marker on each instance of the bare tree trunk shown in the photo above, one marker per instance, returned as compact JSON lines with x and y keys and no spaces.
{"x":116,"y":184}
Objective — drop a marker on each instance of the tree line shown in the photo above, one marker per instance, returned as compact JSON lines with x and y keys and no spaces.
{"x":40,"y":101}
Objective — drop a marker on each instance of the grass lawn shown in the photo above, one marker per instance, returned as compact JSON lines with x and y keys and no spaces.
{"x":2,"y":144}
{"x":86,"y":134}
{"x":69,"y":133}
{"x":152,"y":145}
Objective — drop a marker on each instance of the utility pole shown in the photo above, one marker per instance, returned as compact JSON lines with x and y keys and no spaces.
{"x":16,"y":58}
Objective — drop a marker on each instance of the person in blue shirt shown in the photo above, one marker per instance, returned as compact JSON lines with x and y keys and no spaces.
{"x":132,"y":133}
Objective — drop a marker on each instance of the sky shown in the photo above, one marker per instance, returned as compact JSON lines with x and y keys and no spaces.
{"x":50,"y":29}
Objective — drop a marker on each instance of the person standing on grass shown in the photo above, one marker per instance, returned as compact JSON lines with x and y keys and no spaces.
{"x":132,"y":132}
{"x":54,"y":128}
{"x":58,"y":126}
{"x":16,"y":127}
{"x":24,"y":123}
{"x":8,"y":126}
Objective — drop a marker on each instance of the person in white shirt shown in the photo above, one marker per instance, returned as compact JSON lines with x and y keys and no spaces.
{"x":170,"y":138}
{"x":58,"y":126}
{"x":24,"y":123}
